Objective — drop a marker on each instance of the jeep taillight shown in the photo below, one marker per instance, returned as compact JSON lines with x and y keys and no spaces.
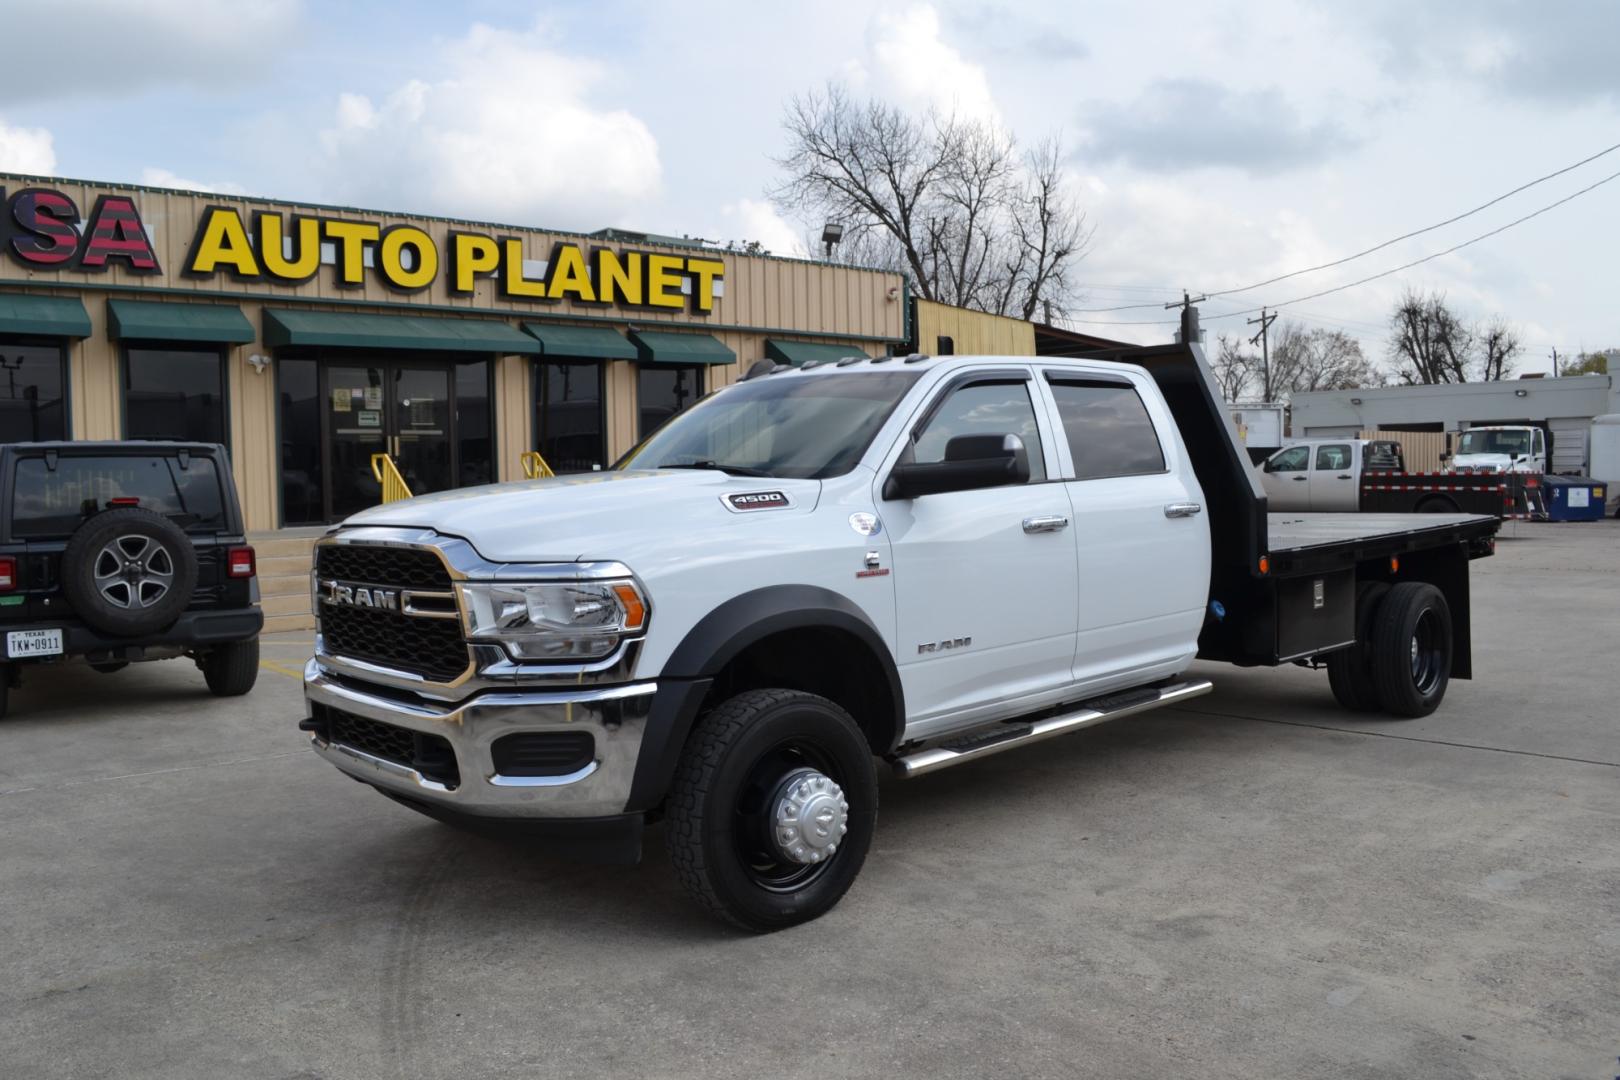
{"x":239,"y":562}
{"x":8,"y":573}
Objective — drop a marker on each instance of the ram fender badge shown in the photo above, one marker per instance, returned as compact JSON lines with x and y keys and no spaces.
{"x":747,"y":501}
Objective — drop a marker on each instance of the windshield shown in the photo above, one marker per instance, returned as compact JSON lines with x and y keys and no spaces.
{"x":805,"y":427}
{"x":1494,"y":442}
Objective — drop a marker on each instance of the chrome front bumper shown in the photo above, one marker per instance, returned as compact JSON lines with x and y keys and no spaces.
{"x":615,"y":716}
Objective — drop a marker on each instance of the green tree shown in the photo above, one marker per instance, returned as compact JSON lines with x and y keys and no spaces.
{"x":1589,"y":364}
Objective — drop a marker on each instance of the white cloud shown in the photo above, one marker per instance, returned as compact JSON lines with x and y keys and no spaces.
{"x":509,"y":131}
{"x":155,"y":177}
{"x":758,"y":220}
{"x":118,"y":47}
{"x":910,"y":63}
{"x":26,"y":150}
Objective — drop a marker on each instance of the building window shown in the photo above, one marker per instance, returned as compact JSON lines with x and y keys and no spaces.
{"x":32,"y":404}
{"x":570,"y":428}
{"x":662,"y":390}
{"x":298,"y":391}
{"x":174,"y":394}
{"x":474,"y":427}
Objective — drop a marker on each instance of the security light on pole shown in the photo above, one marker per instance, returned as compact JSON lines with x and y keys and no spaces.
{"x":831,"y":234}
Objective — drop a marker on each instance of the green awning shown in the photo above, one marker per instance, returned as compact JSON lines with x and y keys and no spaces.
{"x":351,"y":330}
{"x":581,"y":342}
{"x":802,"y":352}
{"x":43,"y":316}
{"x":146,"y":320}
{"x":664,"y":347}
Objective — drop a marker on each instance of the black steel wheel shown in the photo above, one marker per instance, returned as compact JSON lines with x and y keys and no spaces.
{"x":1411,"y":649}
{"x":1350,"y":670}
{"x":772,"y":809}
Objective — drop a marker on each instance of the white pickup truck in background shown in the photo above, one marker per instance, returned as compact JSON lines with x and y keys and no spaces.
{"x":1325,"y":474}
{"x":911,"y":561}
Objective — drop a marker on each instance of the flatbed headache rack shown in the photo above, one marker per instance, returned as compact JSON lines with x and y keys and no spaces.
{"x":1292,"y":596}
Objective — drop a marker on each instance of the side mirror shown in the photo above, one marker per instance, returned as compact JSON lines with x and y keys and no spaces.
{"x":1445,"y":457}
{"x":971,"y":462}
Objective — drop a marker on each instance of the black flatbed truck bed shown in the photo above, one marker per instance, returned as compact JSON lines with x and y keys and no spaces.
{"x":1286,"y":587}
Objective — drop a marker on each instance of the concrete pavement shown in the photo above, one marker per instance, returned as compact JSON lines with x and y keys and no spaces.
{"x":1257,"y":885}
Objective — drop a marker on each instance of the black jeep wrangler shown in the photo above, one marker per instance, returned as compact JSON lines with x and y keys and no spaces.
{"x":124,"y":551}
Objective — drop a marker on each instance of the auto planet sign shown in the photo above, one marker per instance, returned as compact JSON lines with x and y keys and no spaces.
{"x":44,"y":230}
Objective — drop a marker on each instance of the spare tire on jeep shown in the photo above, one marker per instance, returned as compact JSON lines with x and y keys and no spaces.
{"x":129,"y":572}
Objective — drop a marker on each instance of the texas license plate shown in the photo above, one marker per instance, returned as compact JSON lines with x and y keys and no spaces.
{"x":34,"y":643}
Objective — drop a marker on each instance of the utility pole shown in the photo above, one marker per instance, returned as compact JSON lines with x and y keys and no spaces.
{"x":1190,"y":333}
{"x":1555,"y":361}
{"x":1264,"y":341}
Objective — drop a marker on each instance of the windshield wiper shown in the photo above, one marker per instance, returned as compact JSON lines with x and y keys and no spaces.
{"x":735,"y":470}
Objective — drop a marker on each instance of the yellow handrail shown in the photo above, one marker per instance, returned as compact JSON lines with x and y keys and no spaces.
{"x":534,"y":466}
{"x":393,"y":484}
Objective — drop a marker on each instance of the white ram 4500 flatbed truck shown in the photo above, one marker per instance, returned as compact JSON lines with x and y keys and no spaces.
{"x":908,"y":560}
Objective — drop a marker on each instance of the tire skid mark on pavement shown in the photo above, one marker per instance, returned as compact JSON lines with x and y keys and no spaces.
{"x":404,"y":997}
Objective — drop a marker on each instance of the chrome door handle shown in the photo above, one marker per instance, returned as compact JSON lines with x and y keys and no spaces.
{"x":1187,"y":509}
{"x":1045,"y":524}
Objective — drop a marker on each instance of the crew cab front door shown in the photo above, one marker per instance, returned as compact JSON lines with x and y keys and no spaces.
{"x":1286,"y":477}
{"x":984,"y":579}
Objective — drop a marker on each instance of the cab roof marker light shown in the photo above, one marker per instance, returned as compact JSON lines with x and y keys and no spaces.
{"x":848,"y":360}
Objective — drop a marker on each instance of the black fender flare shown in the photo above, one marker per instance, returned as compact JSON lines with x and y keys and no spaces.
{"x":717,"y":639}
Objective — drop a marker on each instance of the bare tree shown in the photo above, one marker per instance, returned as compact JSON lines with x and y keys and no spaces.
{"x":1428,"y":342}
{"x":948,"y":201}
{"x":1319,"y":359}
{"x":1499,"y":347}
{"x":1234,"y":368}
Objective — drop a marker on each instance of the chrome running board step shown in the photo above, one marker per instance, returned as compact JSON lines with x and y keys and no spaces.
{"x":1005,"y":736}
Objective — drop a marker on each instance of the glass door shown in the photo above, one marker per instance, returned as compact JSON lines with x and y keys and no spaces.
{"x":354,"y":414}
{"x":419,"y":429}
{"x":401,"y":409}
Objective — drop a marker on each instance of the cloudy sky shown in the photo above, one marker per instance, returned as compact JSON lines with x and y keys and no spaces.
{"x":1213,"y":144}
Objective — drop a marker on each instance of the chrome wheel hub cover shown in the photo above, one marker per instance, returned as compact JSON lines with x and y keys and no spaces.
{"x":809,"y":817}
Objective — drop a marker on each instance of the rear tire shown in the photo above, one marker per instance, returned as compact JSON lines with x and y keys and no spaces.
{"x":1438,"y":504}
{"x":231,"y":669}
{"x":1411,"y":649}
{"x":1350,"y":670}
{"x":755,"y":829}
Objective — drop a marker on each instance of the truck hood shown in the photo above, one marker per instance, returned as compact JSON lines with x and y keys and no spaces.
{"x":591,"y":516}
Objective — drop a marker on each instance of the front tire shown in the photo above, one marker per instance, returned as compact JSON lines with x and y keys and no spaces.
{"x":772,"y":810}
{"x":232,"y":669}
{"x":1411,"y":649}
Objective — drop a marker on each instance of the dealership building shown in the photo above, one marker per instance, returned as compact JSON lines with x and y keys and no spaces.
{"x":308,"y":338}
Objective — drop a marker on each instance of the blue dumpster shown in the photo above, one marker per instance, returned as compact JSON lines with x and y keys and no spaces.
{"x":1574,"y":498}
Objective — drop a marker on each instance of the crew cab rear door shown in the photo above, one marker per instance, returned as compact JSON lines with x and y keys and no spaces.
{"x":984,"y":579}
{"x":1141,"y":528}
{"x":1335,"y":473}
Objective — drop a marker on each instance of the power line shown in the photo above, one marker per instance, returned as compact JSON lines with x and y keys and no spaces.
{"x":1386,"y":243}
{"x":1380,"y":274}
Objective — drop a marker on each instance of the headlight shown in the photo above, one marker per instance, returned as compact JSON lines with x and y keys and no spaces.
{"x":563,"y":620}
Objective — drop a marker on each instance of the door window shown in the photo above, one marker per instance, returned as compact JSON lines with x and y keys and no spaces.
{"x":1109,"y":430}
{"x":1001,"y":408}
{"x":1294,"y":459}
{"x":174,"y":394}
{"x":31,"y":393}
{"x":1333,"y":456}
{"x":298,"y":388}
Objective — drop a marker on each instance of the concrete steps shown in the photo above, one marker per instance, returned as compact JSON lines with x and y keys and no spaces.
{"x":285,"y":558}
